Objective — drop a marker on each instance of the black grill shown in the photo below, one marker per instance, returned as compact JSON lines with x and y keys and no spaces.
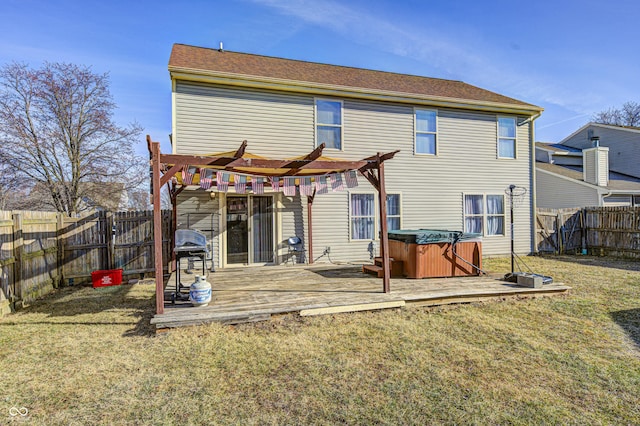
{"x":188,"y":240}
{"x":188,"y":243}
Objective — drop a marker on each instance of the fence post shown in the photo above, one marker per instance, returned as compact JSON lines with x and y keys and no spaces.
{"x":561,"y":229}
{"x":60,"y":248}
{"x":109,"y":232}
{"x":18,"y":251}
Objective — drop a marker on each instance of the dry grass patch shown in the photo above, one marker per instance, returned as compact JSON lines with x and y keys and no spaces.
{"x":85,"y":356}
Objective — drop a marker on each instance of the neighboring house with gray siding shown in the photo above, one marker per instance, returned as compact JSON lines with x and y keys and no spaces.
{"x":623,"y":143}
{"x":460,"y":148}
{"x":589,"y":168}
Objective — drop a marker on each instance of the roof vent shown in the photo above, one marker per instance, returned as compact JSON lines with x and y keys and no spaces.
{"x":220,"y":49}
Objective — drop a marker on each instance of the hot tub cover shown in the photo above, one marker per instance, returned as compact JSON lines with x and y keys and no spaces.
{"x":430,"y":236}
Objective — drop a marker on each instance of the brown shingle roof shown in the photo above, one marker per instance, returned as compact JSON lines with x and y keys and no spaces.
{"x":205,"y":61}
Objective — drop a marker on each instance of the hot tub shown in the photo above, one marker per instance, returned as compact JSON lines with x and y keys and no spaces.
{"x":431,"y":253}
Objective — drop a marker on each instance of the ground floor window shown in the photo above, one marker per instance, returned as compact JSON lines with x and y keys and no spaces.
{"x":484,"y":214}
{"x":393,"y":212}
{"x":363,"y":213}
{"x":363,"y":216}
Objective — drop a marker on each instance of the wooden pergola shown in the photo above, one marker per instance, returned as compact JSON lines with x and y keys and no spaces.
{"x":164,"y":168}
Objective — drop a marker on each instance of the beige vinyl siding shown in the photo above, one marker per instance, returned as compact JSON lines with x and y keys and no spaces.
{"x":556,"y":192}
{"x":431,"y":187}
{"x":215,"y":119}
{"x":212,"y":119}
{"x":293,"y":217}
{"x":198,"y":211}
{"x":624,"y":151}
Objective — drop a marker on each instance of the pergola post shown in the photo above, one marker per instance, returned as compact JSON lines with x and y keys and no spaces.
{"x":157,"y":226}
{"x":310,"y":225}
{"x":384,"y":237}
{"x":173,"y":195}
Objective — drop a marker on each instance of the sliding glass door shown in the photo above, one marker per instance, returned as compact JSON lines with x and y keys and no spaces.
{"x":250,"y":230}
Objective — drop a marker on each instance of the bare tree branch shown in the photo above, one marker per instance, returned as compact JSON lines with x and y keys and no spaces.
{"x":628,"y":115}
{"x":57,"y":132}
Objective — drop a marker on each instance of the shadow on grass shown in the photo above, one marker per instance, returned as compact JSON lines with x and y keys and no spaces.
{"x":604,"y":262}
{"x":115,"y":305}
{"x":629,"y":320}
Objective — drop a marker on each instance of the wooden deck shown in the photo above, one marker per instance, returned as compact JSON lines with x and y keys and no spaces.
{"x":254,"y":294}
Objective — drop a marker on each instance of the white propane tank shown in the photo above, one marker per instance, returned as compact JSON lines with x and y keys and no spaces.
{"x":200,"y":291}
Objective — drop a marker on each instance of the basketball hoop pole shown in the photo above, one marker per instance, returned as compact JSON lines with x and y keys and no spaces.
{"x":511,"y":188}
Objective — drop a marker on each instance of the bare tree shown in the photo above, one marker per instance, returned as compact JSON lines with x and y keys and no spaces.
{"x":631,"y":114}
{"x":140,"y":200}
{"x":57,"y":131}
{"x":10,"y":189}
{"x":628,"y":115}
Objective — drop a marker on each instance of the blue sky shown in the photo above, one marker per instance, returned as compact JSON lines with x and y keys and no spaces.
{"x":573,"y":58}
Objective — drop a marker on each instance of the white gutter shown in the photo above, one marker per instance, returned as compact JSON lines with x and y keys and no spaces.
{"x":534,"y":218}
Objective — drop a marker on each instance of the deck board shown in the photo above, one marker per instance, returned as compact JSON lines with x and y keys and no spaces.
{"x":256,"y":293}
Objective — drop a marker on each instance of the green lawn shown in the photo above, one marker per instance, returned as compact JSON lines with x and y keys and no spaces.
{"x":86,"y":357}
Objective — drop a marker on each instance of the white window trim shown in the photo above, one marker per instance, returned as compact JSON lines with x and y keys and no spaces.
{"x":485,"y":214}
{"x":352,"y":216}
{"x":515,"y":138}
{"x":415,"y":132}
{"x":376,"y":213}
{"x":316,"y":124}
{"x":399,"y":194}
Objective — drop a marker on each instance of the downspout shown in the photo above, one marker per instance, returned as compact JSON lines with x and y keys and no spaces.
{"x":534,"y":218}
{"x":173,"y":116}
{"x":602,"y":195}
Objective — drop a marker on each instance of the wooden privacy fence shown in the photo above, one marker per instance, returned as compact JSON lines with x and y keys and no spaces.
{"x":602,"y":231}
{"x":559,"y":231}
{"x":41,"y":250}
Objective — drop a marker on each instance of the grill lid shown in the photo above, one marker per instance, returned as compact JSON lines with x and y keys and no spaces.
{"x":188,"y":239}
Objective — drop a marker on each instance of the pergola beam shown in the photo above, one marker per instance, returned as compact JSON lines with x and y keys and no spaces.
{"x":240,"y":152}
{"x":169,"y":174}
{"x":236,"y":164}
{"x":373,"y":180}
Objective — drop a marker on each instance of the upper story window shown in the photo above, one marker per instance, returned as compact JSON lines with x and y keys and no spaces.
{"x":329,"y":123}
{"x":506,"y":137}
{"x":426,"y":129}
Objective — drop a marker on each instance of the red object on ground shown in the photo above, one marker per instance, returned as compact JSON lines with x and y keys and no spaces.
{"x":106,"y":277}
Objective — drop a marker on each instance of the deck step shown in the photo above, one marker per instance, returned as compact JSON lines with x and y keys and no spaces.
{"x":395,"y":267}
{"x":378,"y":260}
{"x":373,"y":270}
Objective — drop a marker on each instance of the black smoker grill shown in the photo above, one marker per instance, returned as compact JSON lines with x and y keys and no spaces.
{"x":189,"y":243}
